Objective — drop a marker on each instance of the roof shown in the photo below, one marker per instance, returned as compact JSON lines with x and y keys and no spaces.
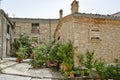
{"x":116,"y":14}
{"x":98,"y":16}
{"x":33,"y":19}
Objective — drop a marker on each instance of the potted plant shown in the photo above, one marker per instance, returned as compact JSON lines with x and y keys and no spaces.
{"x":20,"y":56}
{"x":113,"y":72}
{"x":87,"y":62}
{"x":71,"y":73}
{"x":101,"y":69}
{"x":77,"y":71}
{"x":65,"y":54}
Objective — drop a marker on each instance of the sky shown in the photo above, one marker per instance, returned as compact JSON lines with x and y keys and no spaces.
{"x":50,"y":8}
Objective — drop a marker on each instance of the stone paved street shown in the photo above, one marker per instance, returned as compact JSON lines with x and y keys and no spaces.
{"x":12,"y":77}
{"x":23,"y":71}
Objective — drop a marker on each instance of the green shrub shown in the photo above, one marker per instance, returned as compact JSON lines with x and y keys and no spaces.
{"x":22,"y":41}
{"x":113,"y":72}
{"x":101,"y":68}
{"x":22,"y":53}
{"x":40,"y":56}
{"x":87,"y":61}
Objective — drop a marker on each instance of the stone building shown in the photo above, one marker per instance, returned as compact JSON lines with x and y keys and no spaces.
{"x":40,"y":29}
{"x":5,"y":35}
{"x":116,"y":14}
{"x":93,"y":32}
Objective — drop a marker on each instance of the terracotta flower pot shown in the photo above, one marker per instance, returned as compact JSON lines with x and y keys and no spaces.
{"x":18,"y":60}
{"x":71,"y":75}
{"x":97,"y":79}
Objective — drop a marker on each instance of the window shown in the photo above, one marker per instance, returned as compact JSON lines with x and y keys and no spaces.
{"x":95,"y":34}
{"x":95,"y":30}
{"x":92,"y":38}
{"x":35,"y":28}
{"x":8,"y":29}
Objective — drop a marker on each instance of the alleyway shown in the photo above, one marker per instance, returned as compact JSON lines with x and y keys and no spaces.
{"x":12,"y":70}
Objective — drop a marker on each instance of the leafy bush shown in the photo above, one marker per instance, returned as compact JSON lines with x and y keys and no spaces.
{"x":113,"y":71}
{"x":22,"y":53}
{"x":22,"y":41}
{"x":87,"y":61}
{"x":101,"y":68}
{"x":40,"y":56}
{"x":65,"y":53}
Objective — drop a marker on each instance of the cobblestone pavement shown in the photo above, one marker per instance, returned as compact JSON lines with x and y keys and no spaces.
{"x":23,"y":71}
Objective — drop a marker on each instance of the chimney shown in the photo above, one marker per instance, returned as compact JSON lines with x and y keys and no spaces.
{"x":74,"y":7}
{"x":61,"y":13}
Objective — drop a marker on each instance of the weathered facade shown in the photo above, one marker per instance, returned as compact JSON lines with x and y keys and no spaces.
{"x":93,"y":32}
{"x":5,"y":35}
{"x":41,"y":29}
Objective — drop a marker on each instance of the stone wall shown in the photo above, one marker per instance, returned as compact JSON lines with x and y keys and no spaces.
{"x":46,"y":28}
{"x":93,"y":34}
{"x":116,"y":14}
{"x":0,"y":37}
{"x":98,"y":35}
{"x":5,"y":35}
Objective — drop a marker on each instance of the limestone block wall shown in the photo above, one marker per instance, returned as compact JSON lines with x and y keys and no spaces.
{"x":5,"y":35}
{"x":46,"y":28}
{"x":98,"y":35}
{"x":66,"y":32}
{"x":21,"y":27}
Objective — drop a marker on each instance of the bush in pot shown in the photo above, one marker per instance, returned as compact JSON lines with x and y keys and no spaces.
{"x":71,"y":73}
{"x":113,"y":71}
{"x":101,"y":68}
{"x":77,"y":71}
{"x":65,"y":54}
{"x":87,"y":62}
{"x":21,"y":54}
